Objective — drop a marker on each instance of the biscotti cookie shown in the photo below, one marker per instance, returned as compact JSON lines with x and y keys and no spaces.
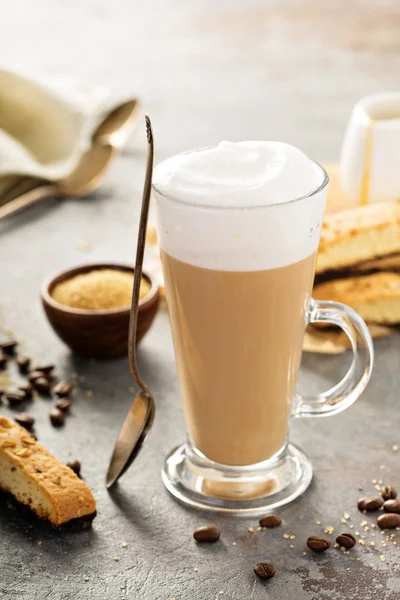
{"x":359,"y":234}
{"x":35,"y":478}
{"x":334,"y":340}
{"x":375,"y":297}
{"x":384,"y":263}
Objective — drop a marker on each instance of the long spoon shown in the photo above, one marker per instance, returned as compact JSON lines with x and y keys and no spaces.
{"x":140,"y":417}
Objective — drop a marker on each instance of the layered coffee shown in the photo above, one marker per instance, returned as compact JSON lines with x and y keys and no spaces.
{"x":238,"y":251}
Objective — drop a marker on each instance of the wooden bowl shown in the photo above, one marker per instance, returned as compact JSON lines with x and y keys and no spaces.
{"x":99,"y":334}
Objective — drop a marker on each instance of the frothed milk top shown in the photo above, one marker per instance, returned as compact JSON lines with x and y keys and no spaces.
{"x":238,"y":174}
{"x":229,"y":208}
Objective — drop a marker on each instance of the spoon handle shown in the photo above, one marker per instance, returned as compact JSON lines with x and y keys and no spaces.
{"x":139,"y":259}
{"x":26,"y":199}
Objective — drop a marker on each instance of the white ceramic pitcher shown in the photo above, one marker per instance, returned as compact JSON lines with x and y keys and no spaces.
{"x":370,"y":157}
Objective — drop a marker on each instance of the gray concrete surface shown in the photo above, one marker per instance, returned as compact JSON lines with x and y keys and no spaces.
{"x":205,"y":71}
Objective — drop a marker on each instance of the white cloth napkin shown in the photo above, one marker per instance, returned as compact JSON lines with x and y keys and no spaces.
{"x":46,"y":126}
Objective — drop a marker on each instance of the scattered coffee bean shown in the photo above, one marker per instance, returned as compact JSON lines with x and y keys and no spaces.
{"x":392,"y":506}
{"x":270,"y":521}
{"x":25,"y":420}
{"x":27,"y":388}
{"x":23,"y":363}
{"x":16,"y":398}
{"x":264,"y":570}
{"x":388,"y":521}
{"x":318,"y":544}
{"x":75,"y":465}
{"x":361,"y":504}
{"x":369,"y":504}
{"x":64,"y":404}
{"x":389,"y":493}
{"x":207,"y":534}
{"x":8,"y":346}
{"x":63,"y":388}
{"x":33,"y":375}
{"x":45,"y":369}
{"x":3,"y":360}
{"x":57,"y":417}
{"x":346,"y":540}
{"x":42,"y":385}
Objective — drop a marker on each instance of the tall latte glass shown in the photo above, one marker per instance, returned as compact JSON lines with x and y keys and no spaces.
{"x":239,"y":227}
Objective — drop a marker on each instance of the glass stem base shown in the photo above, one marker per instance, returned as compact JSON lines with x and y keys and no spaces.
{"x":250,"y":490}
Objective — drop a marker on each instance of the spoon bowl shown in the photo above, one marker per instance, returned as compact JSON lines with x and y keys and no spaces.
{"x":89,"y":173}
{"x":133,"y":432}
{"x":118,"y":125}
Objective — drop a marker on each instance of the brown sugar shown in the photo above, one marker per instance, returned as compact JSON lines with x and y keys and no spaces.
{"x":100,"y":289}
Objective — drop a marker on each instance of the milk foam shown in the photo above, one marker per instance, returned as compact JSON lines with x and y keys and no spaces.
{"x":230,"y":208}
{"x":238,"y":174}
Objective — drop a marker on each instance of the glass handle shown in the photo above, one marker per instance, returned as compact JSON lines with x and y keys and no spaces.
{"x":350,"y":388}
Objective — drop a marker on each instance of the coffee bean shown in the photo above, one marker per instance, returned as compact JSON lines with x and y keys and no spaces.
{"x":45,"y":369}
{"x":318,"y":544}
{"x":3,"y":360}
{"x":8,"y":346}
{"x":63,"y":388}
{"x":25,"y":420}
{"x":33,"y":375}
{"x":27,"y":388}
{"x":42,"y":385}
{"x":57,"y":417}
{"x":207,"y":534}
{"x":264,"y":570}
{"x":392,"y":506}
{"x":361,"y":504}
{"x":369,"y":504}
{"x":389,"y":493}
{"x":270,"y":521}
{"x":75,"y":465}
{"x":346,"y":540}
{"x":388,"y":521}
{"x":16,"y":398}
{"x":23,"y":363}
{"x":63,"y":404}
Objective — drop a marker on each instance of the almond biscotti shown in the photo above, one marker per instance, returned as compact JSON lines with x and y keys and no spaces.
{"x":359,"y":234}
{"x":384,"y":263}
{"x":375,"y":297}
{"x":35,"y":478}
{"x":334,"y":341}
